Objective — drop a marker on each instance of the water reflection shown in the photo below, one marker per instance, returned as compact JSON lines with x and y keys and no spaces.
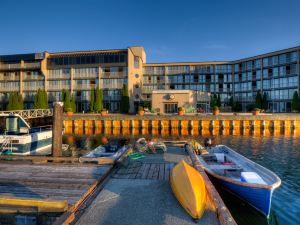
{"x":278,"y":153}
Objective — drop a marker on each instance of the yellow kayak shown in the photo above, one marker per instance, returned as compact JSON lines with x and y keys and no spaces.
{"x":189,"y":188}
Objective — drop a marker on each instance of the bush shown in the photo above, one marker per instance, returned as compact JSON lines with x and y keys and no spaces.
{"x":141,"y":108}
{"x":256,"y":109}
{"x":180,"y":109}
{"x":125,"y":99}
{"x":215,"y":108}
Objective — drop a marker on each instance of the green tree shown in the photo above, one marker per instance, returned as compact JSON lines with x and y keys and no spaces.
{"x":73,"y":104}
{"x":9,"y":106}
{"x":63,"y":95}
{"x":44,"y":100}
{"x":21,"y":102}
{"x":219,"y":101}
{"x":125,"y":99}
{"x":296,"y":102}
{"x":98,"y":100}
{"x":213,"y":101}
{"x":67,"y":102}
{"x":35,"y":104}
{"x":258,"y":100}
{"x":92,"y":102}
{"x":15,"y":101}
{"x":264,"y":103}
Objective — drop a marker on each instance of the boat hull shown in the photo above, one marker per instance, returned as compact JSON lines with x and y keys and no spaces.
{"x":27,"y":144}
{"x":259,"y":198}
{"x":189,"y":188}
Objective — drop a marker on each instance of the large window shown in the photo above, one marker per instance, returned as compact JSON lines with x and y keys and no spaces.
{"x":171,"y":107}
{"x":88,"y":59}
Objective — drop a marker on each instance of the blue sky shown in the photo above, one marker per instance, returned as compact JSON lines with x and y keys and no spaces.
{"x":170,"y":31}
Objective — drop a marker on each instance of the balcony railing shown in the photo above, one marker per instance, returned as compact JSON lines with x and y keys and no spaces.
{"x":2,"y":77}
{"x":84,"y":76}
{"x":84,"y":86}
{"x":33,"y":77}
{"x":113,"y":75}
{"x":32,"y":88}
{"x":58,"y":87}
{"x":10,"y":66}
{"x":170,"y":72}
{"x":59,"y":76}
{"x":159,"y":72}
{"x":34,"y":65}
{"x":8,"y":88}
{"x":16,"y":66}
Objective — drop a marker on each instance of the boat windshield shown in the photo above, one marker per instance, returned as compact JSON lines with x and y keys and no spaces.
{"x":12,"y":125}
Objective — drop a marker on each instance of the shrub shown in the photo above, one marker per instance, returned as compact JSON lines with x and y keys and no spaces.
{"x":141,"y":108}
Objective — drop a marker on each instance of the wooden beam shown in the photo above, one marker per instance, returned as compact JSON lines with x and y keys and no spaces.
{"x":42,"y":205}
{"x":57,"y":130}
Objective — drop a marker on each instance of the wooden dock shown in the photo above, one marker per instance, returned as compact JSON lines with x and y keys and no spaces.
{"x":138,"y":192}
{"x":47,"y":187}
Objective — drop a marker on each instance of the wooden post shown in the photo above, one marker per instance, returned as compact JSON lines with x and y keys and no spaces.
{"x":57,"y":130}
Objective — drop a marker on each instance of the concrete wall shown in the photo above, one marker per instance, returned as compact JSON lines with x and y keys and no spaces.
{"x":184,"y":98}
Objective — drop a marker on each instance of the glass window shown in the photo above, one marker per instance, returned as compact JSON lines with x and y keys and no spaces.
{"x":258,"y":63}
{"x":258,"y":74}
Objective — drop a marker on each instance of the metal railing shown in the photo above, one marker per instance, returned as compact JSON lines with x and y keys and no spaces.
{"x":31,"y":113}
{"x":13,"y":66}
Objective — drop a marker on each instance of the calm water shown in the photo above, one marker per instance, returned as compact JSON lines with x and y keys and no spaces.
{"x":280,"y":154}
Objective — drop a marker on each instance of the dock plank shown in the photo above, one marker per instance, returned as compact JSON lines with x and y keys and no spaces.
{"x":146,"y":171}
{"x":161,"y":171}
{"x":155,"y":171}
{"x":151,"y":171}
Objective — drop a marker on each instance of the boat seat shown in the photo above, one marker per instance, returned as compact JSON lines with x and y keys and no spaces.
{"x":226,"y":167}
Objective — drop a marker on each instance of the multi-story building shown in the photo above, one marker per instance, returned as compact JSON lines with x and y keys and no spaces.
{"x":276,"y":74}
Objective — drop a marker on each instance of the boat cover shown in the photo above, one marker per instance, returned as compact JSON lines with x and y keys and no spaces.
{"x":251,"y":177}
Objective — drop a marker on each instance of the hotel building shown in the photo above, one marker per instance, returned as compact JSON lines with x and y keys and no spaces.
{"x":276,"y":74}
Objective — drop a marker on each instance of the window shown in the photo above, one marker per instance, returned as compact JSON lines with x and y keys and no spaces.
{"x":136,"y":62}
{"x":171,"y":107}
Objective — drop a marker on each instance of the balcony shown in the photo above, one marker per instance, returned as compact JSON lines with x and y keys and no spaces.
{"x":15,"y":66}
{"x":59,"y":77}
{"x":113,"y":75}
{"x":12,"y":78}
{"x":58,"y":87}
{"x":160,"y":72}
{"x":18,"y":66}
{"x":85,"y":76}
{"x":32,"y":88}
{"x":34,"y":65}
{"x":8,"y":88}
{"x":84,"y":86}
{"x":173,"y":72}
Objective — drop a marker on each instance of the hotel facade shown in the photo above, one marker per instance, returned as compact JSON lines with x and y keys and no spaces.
{"x":276,"y":74}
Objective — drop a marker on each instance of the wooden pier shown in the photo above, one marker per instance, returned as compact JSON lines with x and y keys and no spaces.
{"x":47,"y":188}
{"x":138,"y":192}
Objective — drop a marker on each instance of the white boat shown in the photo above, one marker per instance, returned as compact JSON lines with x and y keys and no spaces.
{"x":18,"y":138}
{"x":246,"y":179}
{"x":143,"y":146}
{"x":113,"y":150}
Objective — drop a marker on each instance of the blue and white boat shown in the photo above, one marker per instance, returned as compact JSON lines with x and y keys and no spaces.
{"x":18,"y":138}
{"x":246,"y":179}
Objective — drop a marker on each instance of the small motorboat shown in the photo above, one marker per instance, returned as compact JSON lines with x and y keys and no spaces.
{"x":143,"y":146}
{"x":113,"y":150}
{"x":189,"y":188}
{"x":246,"y":179}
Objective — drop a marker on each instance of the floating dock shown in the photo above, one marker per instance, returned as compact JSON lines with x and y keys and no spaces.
{"x":46,"y":188}
{"x":138,"y":192}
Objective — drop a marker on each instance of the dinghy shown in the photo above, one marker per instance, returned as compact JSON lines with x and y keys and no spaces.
{"x":246,"y":179}
{"x":143,"y":146}
{"x":112,"y":150}
{"x":189,"y":188}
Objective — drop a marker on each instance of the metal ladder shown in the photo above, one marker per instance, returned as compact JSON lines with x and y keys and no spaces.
{"x":6,"y":142}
